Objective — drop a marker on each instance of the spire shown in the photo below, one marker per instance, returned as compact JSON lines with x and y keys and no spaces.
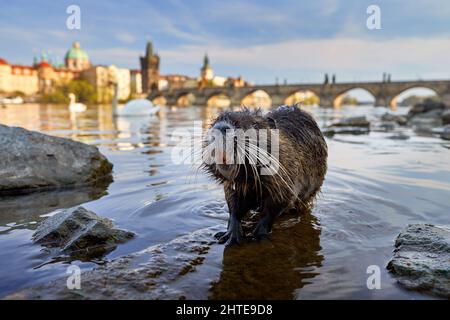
{"x":206,"y":61}
{"x":149,"y":50}
{"x":44,"y":56}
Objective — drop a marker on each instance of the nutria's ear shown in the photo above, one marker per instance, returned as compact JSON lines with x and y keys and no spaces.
{"x":271,"y":122}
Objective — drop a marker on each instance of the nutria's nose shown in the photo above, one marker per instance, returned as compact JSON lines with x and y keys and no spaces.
{"x":222,"y":127}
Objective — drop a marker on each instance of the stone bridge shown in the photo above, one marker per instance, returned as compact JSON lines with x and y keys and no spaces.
{"x":330,"y":95}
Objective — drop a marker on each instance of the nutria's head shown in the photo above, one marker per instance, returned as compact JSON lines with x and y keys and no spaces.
{"x":228,"y":141}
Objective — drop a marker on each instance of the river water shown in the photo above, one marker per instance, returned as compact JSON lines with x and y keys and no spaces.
{"x":374,"y":187}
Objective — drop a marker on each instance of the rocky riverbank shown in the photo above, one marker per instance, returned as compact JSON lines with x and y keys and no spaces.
{"x":194,"y":266}
{"x":429,"y":117}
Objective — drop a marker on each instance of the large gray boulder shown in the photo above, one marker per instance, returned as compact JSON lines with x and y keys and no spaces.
{"x":31,"y":160}
{"x":422,"y":259}
{"x":79,"y":232}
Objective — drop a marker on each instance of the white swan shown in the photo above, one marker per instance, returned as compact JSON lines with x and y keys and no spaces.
{"x":76,"y":106}
{"x":138,"y":107}
{"x":135,"y":107}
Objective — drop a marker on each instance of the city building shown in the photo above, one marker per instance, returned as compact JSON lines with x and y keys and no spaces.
{"x":153,"y":80}
{"x":135,"y":82}
{"x":176,"y":81}
{"x":208,"y":79}
{"x":47,"y":73}
{"x":104,"y":78}
{"x":123,"y":80}
{"x":100,"y":78}
{"x":235,"y":82}
{"x":17,"y":78}
{"x":206,"y":72}
{"x":39,"y":78}
{"x":149,"y":69}
{"x":76,"y":58}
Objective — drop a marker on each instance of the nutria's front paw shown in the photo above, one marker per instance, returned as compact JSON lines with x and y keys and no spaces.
{"x":234,"y":234}
{"x":219,"y":234}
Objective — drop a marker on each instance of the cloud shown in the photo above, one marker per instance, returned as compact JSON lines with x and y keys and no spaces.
{"x":329,"y":7}
{"x":125,"y":37}
{"x":121,"y":57}
{"x":346,"y":55}
{"x":343,"y":53}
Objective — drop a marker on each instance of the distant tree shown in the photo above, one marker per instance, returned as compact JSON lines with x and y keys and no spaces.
{"x":311,"y":100}
{"x":18,"y":93}
{"x":349,"y":100}
{"x":82,"y":89}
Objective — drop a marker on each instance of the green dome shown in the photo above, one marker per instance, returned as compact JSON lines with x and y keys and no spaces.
{"x":76,"y":52}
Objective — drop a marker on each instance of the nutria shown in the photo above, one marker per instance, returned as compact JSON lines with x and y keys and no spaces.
{"x":293,"y":174}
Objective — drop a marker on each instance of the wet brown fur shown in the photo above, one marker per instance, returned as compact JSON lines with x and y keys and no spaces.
{"x":302,"y":156}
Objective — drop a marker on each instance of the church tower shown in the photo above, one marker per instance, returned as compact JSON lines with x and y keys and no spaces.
{"x":149,"y":69}
{"x":206,"y":72}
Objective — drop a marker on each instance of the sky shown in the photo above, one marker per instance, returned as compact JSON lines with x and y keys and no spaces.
{"x":260,"y":40}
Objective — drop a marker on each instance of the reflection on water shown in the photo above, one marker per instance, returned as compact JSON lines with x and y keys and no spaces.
{"x":272,"y":269}
{"x":375,"y":186}
{"x":25,"y":211}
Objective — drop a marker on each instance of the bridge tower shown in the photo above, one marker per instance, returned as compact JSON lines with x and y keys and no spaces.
{"x":150,"y":69}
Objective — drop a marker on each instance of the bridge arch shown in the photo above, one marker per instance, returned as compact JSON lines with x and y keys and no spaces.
{"x":345,"y":96}
{"x":306,"y":97}
{"x":415,"y":94}
{"x":256,"y":98}
{"x":218,"y":99}
{"x":185,"y":99}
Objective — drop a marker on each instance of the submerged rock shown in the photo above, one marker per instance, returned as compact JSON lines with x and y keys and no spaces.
{"x":422,"y":259}
{"x":385,"y":126}
{"x":426,"y":121}
{"x":426,"y":115}
{"x":446,"y":117}
{"x":445,"y":135}
{"x":329,"y":132}
{"x":158,"y":272}
{"x":79,"y":232}
{"x":32,"y":161}
{"x":399,"y":136}
{"x":425,"y":107}
{"x":353,"y":125}
{"x":352,"y":122}
{"x":389,"y":117}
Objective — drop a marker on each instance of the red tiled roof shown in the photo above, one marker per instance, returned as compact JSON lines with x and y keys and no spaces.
{"x":44,"y":64}
{"x":3,"y":61}
{"x":18,"y":66}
